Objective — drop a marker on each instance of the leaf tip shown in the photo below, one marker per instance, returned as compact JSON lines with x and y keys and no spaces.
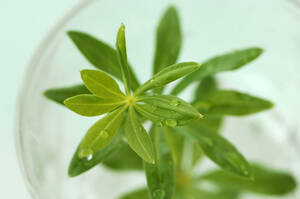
{"x":84,"y":73}
{"x":172,"y":8}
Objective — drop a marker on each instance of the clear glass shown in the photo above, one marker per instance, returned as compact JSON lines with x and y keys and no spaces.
{"x":47,"y":134}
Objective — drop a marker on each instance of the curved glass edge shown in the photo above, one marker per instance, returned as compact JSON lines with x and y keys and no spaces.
{"x":31,"y":67}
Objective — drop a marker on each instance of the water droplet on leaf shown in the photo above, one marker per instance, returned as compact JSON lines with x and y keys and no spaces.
{"x":171,"y":123}
{"x":89,"y":157}
{"x":174,"y":103}
{"x":85,"y":153}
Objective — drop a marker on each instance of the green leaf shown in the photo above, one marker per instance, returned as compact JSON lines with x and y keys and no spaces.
{"x":211,"y":123}
{"x":138,"y":194}
{"x":167,"y":75}
{"x":176,"y":143}
{"x":167,"y":110}
{"x":266,"y":181}
{"x":222,"y":194}
{"x":185,"y":151}
{"x":207,"y":85}
{"x":101,"y":55}
{"x":222,"y":63}
{"x":161,"y":175}
{"x":138,"y":138}
{"x":81,"y":165}
{"x":227,"y":102}
{"x":219,"y":150}
{"x":168,"y":40}
{"x":59,"y":95}
{"x":101,"y":133}
{"x":91,"y":105}
{"x":122,"y":55}
{"x":101,"y":84}
{"x":124,"y":159}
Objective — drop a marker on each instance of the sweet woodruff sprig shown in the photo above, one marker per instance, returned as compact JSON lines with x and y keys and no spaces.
{"x":179,"y":136}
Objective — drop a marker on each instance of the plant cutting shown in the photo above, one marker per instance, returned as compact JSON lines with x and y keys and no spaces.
{"x":181,"y":133}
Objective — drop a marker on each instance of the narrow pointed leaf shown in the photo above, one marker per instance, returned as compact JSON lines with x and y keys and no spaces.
{"x":122,"y":55}
{"x":207,"y":85}
{"x":101,"y":55}
{"x":101,"y":133}
{"x":227,"y":102}
{"x":222,"y":63}
{"x":124,"y":159}
{"x":177,"y":144}
{"x":59,"y":95}
{"x":81,"y":165}
{"x":161,"y":175}
{"x":138,"y":194}
{"x":138,"y":138}
{"x":219,"y":150}
{"x":266,"y":181}
{"x":91,"y":105}
{"x":167,"y":75}
{"x":168,"y":40}
{"x":101,"y":84}
{"x":167,"y":110}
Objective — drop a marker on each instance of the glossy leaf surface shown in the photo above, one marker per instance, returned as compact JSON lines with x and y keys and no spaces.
{"x":101,"y":133}
{"x":167,"y":75}
{"x":228,"y":102}
{"x":160,"y":176}
{"x":81,"y":165}
{"x":222,"y":63}
{"x":219,"y":150}
{"x":122,"y":55}
{"x":168,"y":40}
{"x":91,"y":105}
{"x":138,"y":138}
{"x":101,"y":84}
{"x":167,"y":110}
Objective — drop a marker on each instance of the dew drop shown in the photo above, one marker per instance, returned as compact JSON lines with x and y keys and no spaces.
{"x":159,"y":194}
{"x":174,"y":103}
{"x":89,"y":157}
{"x":151,"y":80}
{"x":85,"y":153}
{"x":104,"y":134}
{"x":171,"y":122}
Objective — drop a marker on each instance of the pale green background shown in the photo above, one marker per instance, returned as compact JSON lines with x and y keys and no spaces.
{"x":23,"y":24}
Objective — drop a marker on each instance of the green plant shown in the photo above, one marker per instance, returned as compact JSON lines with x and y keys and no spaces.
{"x":179,"y":136}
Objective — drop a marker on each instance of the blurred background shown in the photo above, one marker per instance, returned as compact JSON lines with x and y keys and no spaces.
{"x":23,"y":25}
